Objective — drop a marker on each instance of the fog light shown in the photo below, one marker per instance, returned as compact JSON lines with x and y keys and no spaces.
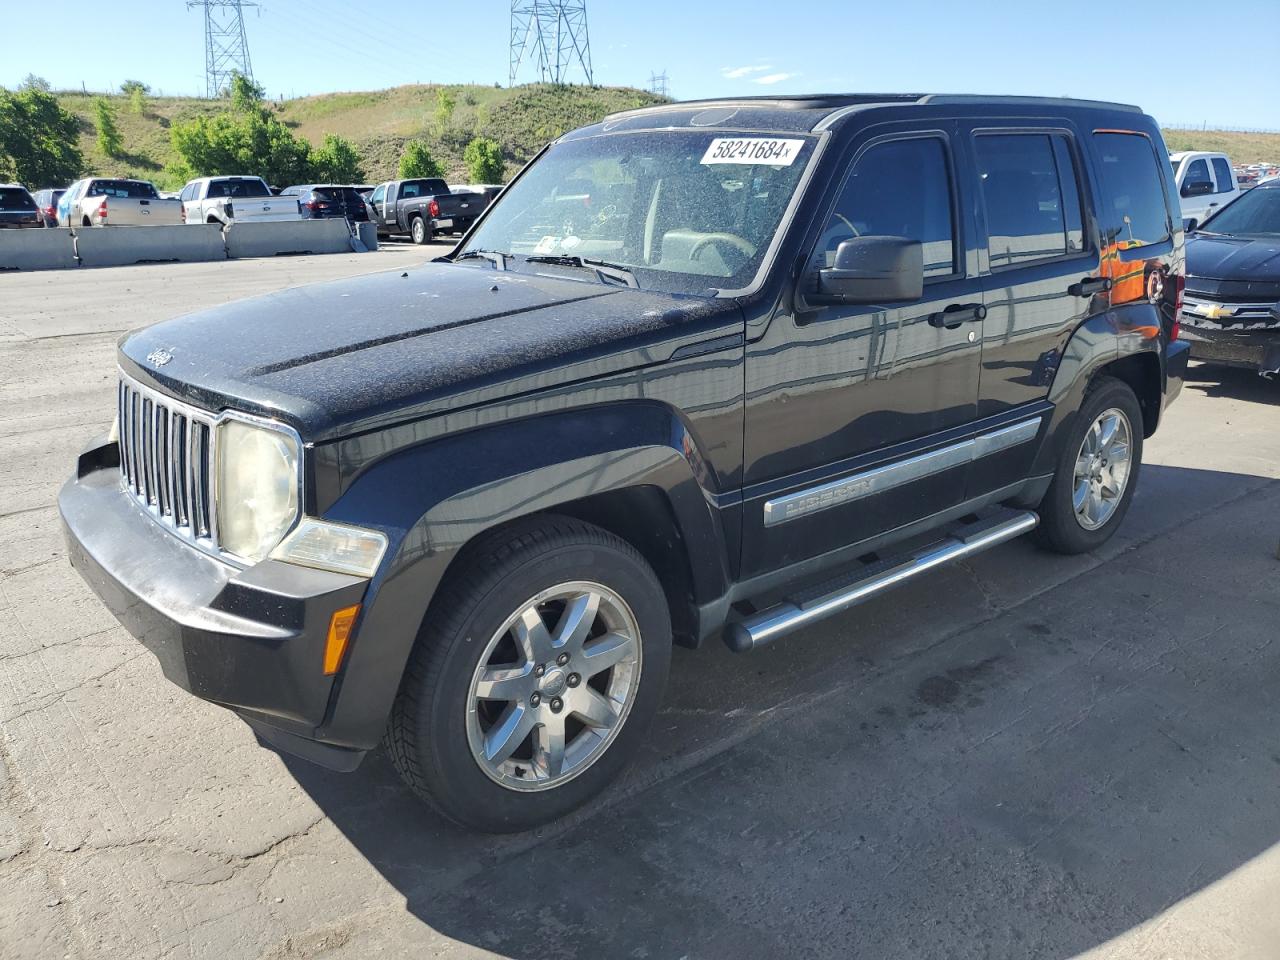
{"x":332,"y":546}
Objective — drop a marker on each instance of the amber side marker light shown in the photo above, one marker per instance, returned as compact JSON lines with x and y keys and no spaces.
{"x":335,"y":645}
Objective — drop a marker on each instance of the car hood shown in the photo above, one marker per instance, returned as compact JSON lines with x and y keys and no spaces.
{"x":1234,"y":258}
{"x":359,"y":354}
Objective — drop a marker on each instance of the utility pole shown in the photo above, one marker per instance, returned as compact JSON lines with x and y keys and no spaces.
{"x":554,"y":34}
{"x":226,"y":49}
{"x":658,"y":84}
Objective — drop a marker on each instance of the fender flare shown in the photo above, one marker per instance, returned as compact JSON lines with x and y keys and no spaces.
{"x":1102,"y":339}
{"x":433,"y":499}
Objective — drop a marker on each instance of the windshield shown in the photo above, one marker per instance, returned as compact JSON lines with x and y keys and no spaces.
{"x":1256,"y":213}
{"x":684,"y":211}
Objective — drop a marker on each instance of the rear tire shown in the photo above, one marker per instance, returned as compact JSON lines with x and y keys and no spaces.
{"x":419,"y":231}
{"x":483,"y":665}
{"x":1097,"y":471}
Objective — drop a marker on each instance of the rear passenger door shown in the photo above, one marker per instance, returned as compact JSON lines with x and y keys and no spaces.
{"x":1042,"y":278}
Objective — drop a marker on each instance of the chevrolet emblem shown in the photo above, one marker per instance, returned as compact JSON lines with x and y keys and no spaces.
{"x":1214,"y":311}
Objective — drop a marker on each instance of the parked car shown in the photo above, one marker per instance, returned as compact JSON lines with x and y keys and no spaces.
{"x":17,"y":208}
{"x":230,"y":199}
{"x":1231,"y":313}
{"x":116,"y":202}
{"x":47,"y":204}
{"x":320,"y":201}
{"x":466,"y":508}
{"x":1205,"y":181}
{"x":422,"y":208}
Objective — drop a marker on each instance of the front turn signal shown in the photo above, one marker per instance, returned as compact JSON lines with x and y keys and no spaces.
{"x":335,"y":645}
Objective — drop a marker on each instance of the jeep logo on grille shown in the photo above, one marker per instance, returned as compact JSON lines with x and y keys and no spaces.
{"x":159,"y":357}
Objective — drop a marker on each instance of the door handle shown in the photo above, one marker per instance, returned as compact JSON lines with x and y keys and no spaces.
{"x":955,"y":314}
{"x":1089,"y":286}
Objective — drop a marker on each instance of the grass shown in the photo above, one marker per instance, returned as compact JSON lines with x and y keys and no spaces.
{"x":379,"y":122}
{"x":521,"y":119}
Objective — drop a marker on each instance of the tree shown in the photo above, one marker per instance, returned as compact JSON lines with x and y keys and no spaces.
{"x":38,"y":139}
{"x":483,"y":158}
{"x":416,"y":161}
{"x":32,"y":82}
{"x":246,"y":96}
{"x":109,"y":140}
{"x":137,"y":92}
{"x":336,"y":161}
{"x":254,"y":142}
{"x":445,"y":102}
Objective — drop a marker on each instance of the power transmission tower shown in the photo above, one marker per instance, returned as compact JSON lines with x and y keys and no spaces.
{"x":226,"y":51}
{"x":554,"y":32}
{"x":658,"y":84}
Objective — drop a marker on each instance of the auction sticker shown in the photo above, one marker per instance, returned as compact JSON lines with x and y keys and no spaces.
{"x":753,"y":150}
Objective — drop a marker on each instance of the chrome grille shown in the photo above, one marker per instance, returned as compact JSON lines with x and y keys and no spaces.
{"x":166,"y":461}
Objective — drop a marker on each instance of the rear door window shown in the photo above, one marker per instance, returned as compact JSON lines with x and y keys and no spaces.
{"x":1222,"y":171}
{"x":1134,"y":212}
{"x":898,"y":189}
{"x":1031,"y":197}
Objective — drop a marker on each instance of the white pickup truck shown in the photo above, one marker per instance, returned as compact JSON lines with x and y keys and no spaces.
{"x":1205,"y":183}
{"x":116,"y":202}
{"x":228,"y":200}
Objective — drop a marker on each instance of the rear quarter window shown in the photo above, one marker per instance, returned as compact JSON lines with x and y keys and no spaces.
{"x":1133,"y":210}
{"x":1222,"y":170}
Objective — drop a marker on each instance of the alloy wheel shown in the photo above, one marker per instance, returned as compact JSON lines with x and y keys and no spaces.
{"x":554,"y":686}
{"x":1102,"y":469}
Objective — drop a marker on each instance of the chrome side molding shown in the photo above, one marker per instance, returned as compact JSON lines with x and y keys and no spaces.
{"x":859,"y":485}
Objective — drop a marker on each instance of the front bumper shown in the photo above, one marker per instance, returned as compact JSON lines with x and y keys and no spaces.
{"x":251,"y":640}
{"x":1257,"y":348}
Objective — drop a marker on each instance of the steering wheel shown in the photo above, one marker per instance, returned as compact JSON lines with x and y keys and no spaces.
{"x":729,"y":239}
{"x":845,"y":220}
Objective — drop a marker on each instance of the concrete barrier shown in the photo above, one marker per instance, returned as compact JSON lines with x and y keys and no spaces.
{"x":36,"y":249}
{"x":369,"y":235}
{"x":120,"y":246}
{"x":287,"y":237}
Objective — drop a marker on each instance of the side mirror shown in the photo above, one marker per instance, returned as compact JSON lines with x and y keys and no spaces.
{"x":873,"y":270}
{"x":1197,"y":188}
{"x":1189,"y":224}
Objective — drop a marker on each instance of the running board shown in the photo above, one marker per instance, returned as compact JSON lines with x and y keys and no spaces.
{"x":816,"y":604}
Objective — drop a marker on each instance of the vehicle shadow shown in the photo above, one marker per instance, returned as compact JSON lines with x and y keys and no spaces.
{"x":1216,"y":380}
{"x":945,"y":771}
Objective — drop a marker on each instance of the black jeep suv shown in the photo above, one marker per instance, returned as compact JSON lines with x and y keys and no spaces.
{"x":715,"y":368}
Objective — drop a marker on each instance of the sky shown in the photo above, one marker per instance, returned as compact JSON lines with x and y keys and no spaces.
{"x":1187,"y":64}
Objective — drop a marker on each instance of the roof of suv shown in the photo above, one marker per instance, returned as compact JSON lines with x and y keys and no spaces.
{"x":820,"y":111}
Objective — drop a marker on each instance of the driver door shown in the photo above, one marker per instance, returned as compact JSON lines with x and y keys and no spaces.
{"x":857,"y":414}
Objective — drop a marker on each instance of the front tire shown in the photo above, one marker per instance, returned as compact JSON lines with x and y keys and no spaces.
{"x":1097,"y":471}
{"x":534,"y":677}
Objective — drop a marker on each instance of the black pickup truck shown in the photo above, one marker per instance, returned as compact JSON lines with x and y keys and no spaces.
{"x":714,"y":369}
{"x":422,"y":208}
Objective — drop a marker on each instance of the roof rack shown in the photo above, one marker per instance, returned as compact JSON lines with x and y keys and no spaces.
{"x":798,"y":101}
{"x":961,"y":98}
{"x":845,"y":103}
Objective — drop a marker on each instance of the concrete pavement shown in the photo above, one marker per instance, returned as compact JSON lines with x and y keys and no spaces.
{"x":1023,"y":756}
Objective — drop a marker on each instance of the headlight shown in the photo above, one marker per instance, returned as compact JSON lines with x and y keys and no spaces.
{"x":257,"y":487}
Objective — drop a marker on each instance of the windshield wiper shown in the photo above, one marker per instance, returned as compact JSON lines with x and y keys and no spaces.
{"x":602,"y":268}
{"x":499,"y":260}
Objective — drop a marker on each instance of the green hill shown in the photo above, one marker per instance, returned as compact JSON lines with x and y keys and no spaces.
{"x":521,"y":119}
